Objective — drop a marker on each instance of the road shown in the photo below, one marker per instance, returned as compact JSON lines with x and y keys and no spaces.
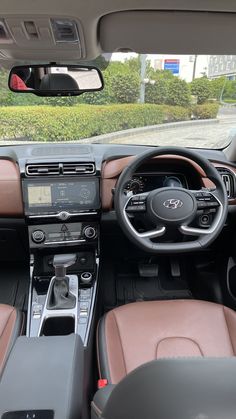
{"x":215,"y":135}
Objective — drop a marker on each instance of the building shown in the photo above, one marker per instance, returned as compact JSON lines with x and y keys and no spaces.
{"x":222,"y":65}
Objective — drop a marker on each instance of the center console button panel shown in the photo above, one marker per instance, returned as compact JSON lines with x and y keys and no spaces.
{"x":62,"y":234}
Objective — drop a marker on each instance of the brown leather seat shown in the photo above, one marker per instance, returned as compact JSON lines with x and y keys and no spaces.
{"x":10,"y":329}
{"x":134,"y":334}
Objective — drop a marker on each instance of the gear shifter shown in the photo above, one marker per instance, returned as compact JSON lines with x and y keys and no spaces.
{"x":60,"y":297}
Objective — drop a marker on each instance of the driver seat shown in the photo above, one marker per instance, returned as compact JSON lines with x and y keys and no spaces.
{"x":136,"y":333}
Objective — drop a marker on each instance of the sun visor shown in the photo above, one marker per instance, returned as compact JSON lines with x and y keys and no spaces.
{"x":169,"y":32}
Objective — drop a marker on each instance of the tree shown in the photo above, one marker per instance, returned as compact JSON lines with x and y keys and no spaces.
{"x":229,"y":92}
{"x":178,"y":92}
{"x":201,"y":88}
{"x":216,"y":87}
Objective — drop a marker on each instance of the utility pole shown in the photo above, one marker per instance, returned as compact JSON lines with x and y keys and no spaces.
{"x":194,"y":66}
{"x":143,"y":63}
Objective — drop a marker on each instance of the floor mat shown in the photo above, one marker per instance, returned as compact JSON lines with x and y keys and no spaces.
{"x":130,"y":286}
{"x":14,"y":285}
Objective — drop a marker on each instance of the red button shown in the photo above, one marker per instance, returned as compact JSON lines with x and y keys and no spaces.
{"x":102,"y":383}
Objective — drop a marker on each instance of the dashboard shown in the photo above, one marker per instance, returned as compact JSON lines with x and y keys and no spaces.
{"x":60,"y":183}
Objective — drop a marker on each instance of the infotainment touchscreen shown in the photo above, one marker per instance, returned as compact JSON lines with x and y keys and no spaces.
{"x":55,"y":196}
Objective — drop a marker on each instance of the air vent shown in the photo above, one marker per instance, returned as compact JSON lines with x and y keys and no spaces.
{"x":228,"y":179}
{"x":65,"y":30}
{"x":63,"y":169}
{"x":78,"y":168}
{"x":52,"y":169}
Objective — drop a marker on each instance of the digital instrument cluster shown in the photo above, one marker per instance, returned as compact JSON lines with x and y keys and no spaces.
{"x":148,"y":182}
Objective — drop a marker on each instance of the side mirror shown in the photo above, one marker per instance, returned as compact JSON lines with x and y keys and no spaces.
{"x":55,"y":80}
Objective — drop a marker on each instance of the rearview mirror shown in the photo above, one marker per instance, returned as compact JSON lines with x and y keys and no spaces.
{"x":55,"y":80}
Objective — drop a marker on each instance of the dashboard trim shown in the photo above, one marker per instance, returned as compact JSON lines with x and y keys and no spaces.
{"x":11,"y":202}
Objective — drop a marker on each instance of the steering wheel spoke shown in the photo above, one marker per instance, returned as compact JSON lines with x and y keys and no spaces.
{"x":205,"y":200}
{"x":136,"y":204}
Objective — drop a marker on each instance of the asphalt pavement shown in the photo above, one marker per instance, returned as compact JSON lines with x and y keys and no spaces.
{"x":212,"y":135}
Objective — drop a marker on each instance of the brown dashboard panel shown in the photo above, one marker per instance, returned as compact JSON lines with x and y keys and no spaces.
{"x":11,"y":203}
{"x":113,"y":168}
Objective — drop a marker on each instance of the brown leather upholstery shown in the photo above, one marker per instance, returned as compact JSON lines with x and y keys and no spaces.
{"x":10,"y":328}
{"x":134,"y":334}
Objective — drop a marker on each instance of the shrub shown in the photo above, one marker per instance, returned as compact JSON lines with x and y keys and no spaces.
{"x":46,"y":123}
{"x":178,"y":92}
{"x":157,"y":93}
{"x":206,"y":111}
{"x":58,"y":123}
{"x":201,"y":88}
{"x":176,"y":113}
{"x":125,"y":87}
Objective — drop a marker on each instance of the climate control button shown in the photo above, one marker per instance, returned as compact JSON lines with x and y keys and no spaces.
{"x":38,"y":236}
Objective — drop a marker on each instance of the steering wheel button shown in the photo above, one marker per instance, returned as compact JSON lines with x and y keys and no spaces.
{"x":201,"y":204}
{"x":142,"y":207}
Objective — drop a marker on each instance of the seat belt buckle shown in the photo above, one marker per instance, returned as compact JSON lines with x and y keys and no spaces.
{"x":102,"y":383}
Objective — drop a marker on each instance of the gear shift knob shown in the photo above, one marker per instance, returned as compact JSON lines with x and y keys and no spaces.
{"x":61,"y":263}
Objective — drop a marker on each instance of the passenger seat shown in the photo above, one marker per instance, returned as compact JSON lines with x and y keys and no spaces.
{"x":11,"y":321}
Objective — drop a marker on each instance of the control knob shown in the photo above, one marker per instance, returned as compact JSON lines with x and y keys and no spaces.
{"x":90,"y":232}
{"x":86,"y":277}
{"x":38,"y":236}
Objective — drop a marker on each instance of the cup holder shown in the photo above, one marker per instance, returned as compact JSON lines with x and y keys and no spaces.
{"x":58,"y":326}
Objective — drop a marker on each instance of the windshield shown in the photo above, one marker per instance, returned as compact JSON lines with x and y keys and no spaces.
{"x":185,"y":100}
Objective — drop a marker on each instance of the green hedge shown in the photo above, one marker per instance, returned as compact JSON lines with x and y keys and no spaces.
{"x":206,"y":111}
{"x":50,"y":123}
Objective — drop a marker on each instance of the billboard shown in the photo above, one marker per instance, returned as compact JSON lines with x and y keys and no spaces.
{"x":172,"y":65}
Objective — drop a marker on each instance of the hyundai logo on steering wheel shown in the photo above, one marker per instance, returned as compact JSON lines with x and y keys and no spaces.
{"x":173,"y":203}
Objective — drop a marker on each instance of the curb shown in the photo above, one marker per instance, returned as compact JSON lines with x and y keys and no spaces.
{"x":106,"y":138}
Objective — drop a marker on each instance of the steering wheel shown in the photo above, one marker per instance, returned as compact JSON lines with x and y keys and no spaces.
{"x":171,"y":208}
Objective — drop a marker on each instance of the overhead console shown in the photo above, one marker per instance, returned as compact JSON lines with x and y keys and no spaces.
{"x":40,"y":37}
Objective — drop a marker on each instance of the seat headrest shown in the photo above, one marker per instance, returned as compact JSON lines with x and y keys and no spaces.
{"x":200,"y":388}
{"x":58,"y":82}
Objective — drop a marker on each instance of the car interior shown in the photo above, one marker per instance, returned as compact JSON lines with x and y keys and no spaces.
{"x":117,"y":261}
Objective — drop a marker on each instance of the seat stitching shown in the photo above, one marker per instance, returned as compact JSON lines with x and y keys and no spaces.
{"x":119,"y":336}
{"x":98,"y":351}
{"x":226,"y":322}
{"x":179,"y":337}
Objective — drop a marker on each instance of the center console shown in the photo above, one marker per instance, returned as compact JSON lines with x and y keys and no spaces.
{"x":62,"y":213}
{"x":43,"y":379}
